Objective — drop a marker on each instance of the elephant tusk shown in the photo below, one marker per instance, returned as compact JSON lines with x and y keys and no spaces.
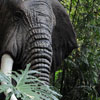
{"x":13,"y":97}
{"x":6,"y":64}
{"x":6,"y":68}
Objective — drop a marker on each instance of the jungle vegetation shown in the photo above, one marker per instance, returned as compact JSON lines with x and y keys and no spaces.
{"x":79,"y":76}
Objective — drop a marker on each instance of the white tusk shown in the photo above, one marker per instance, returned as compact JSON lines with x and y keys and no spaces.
{"x":13,"y":97}
{"x":6,"y":64}
{"x":6,"y":68}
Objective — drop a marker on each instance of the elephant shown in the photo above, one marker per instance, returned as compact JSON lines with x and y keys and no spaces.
{"x":37,"y":32}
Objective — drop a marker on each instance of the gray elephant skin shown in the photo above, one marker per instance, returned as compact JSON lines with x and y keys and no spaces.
{"x":37,"y":32}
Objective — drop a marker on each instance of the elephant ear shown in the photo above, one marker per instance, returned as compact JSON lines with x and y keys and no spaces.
{"x":63,"y":36}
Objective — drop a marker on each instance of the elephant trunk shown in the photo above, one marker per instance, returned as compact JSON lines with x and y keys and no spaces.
{"x":40,"y":52}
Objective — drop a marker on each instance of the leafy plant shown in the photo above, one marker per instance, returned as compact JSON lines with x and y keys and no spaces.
{"x":28,"y":87}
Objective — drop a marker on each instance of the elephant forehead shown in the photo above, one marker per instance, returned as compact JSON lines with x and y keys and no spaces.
{"x":42,"y":8}
{"x":37,"y":5}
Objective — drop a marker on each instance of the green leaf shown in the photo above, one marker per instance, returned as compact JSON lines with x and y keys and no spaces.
{"x":28,"y":86}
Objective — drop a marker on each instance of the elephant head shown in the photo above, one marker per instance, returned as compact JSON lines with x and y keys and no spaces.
{"x":34,"y":31}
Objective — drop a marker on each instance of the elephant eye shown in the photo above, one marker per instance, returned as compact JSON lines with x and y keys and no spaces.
{"x":18,"y":15}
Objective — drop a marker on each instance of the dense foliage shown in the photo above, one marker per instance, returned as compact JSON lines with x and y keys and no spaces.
{"x":78,"y":78}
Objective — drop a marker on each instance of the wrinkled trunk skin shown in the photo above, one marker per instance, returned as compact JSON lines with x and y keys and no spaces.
{"x":38,"y":52}
{"x":38,"y":46}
